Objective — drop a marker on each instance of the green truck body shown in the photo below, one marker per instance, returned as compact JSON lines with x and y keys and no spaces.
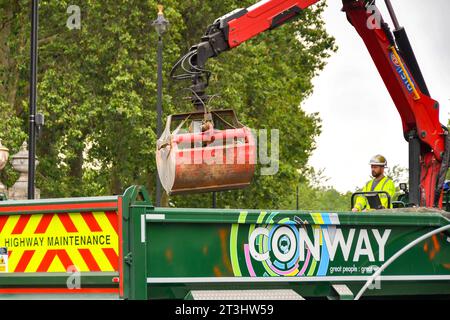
{"x":168,"y":253}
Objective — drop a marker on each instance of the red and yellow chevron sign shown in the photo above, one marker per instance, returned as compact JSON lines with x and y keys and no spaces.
{"x":57,"y":242}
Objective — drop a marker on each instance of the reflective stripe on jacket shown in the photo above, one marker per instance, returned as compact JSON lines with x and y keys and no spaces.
{"x":385,"y":184}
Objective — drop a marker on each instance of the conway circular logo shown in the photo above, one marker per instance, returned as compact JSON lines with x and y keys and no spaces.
{"x":279,"y":248}
{"x":314,"y":246}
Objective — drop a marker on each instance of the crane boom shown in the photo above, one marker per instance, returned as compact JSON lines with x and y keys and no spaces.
{"x":395,"y":62}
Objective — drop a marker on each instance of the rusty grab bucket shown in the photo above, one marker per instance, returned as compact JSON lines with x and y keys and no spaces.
{"x":205,"y":152}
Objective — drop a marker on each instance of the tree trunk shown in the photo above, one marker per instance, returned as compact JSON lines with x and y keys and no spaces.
{"x":76,"y":168}
{"x":116,"y":184}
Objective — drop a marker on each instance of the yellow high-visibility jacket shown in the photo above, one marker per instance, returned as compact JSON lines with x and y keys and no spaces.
{"x":385,"y":184}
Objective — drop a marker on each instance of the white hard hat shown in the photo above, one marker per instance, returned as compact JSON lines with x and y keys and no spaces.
{"x":378,"y":160}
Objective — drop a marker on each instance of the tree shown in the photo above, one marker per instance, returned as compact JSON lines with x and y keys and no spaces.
{"x":398,"y":174}
{"x":316,"y":194}
{"x":97,"y":90}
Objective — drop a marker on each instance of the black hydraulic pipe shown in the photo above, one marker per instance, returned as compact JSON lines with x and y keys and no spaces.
{"x":407,"y":53}
{"x":392,"y":14}
{"x":443,"y":171}
{"x":414,"y":169}
{"x":406,"y":50}
{"x":33,"y":95}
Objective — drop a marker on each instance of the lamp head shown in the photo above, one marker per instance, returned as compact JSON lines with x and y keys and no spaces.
{"x":160,"y":24}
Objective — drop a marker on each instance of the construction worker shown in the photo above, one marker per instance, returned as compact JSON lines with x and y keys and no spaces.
{"x":379,"y":183}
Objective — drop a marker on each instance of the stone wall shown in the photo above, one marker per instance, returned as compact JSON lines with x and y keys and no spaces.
{"x":19,"y":161}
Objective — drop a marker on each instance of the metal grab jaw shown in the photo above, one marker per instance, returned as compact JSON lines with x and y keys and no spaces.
{"x":193,"y":64}
{"x":215,"y":152}
{"x":205,"y":152}
{"x":373,"y":198}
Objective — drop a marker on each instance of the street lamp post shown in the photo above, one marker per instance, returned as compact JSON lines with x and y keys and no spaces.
{"x":33,"y":93}
{"x":160,"y":25}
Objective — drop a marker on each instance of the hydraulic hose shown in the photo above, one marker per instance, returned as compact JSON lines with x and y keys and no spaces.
{"x":398,"y":254}
{"x":443,"y":170}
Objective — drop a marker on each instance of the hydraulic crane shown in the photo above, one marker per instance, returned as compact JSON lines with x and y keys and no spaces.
{"x":393,"y":56}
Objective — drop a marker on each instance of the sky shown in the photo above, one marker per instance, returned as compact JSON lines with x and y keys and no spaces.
{"x":359,"y":119}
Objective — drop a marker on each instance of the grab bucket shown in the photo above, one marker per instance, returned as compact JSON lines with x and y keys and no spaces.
{"x":205,"y":152}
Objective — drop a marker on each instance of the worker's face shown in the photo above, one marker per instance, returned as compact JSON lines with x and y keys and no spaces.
{"x":377,"y":171}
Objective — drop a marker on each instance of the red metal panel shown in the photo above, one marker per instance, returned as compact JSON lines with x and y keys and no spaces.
{"x":260,"y":18}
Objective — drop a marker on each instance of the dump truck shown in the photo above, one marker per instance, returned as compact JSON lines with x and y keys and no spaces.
{"x":122,"y":247}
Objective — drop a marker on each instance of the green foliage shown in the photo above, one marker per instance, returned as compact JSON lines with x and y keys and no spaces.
{"x":97,"y":90}
{"x":315,"y":194}
{"x":398,"y":174}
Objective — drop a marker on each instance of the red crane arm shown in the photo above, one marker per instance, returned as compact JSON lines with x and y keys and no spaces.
{"x":262,"y":16}
{"x":417,"y":110}
{"x":419,"y":113}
